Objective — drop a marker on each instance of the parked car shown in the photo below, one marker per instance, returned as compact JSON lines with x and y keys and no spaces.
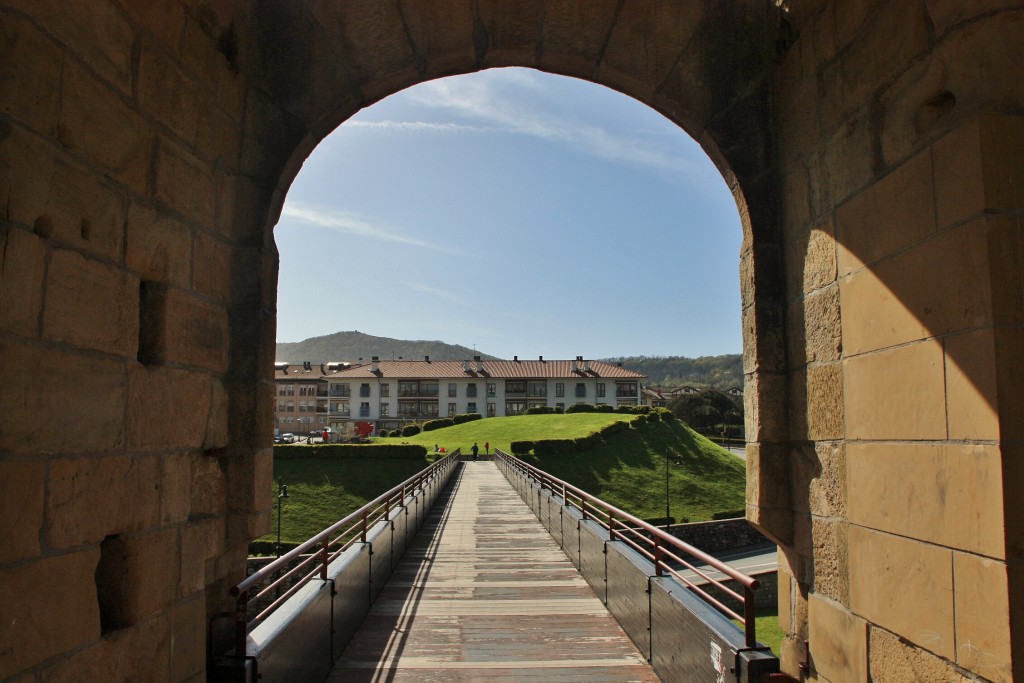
{"x":288,"y":438}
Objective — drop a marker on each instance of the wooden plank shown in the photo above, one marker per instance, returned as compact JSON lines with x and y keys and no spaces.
{"x":484,"y":593}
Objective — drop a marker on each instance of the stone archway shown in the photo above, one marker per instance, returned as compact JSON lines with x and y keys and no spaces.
{"x":874,"y":151}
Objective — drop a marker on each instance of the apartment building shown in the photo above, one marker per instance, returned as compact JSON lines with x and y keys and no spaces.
{"x":387,"y":394}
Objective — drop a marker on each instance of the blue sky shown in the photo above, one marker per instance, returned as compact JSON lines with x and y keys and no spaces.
{"x":518,"y":212}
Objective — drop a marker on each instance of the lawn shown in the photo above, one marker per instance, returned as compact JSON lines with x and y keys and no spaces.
{"x":502,"y":431}
{"x":768,"y":630}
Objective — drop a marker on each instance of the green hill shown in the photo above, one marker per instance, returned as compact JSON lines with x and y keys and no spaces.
{"x":627,"y":470}
{"x":720,"y":372}
{"x":351,"y":346}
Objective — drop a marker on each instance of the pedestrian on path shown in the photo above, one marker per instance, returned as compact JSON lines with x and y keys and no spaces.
{"x":487,"y":447}
{"x":475,"y":449}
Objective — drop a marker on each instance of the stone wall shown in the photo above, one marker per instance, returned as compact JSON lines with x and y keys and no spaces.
{"x":719,"y":535}
{"x":874,"y":149}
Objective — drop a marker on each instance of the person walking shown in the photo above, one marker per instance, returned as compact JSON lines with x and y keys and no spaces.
{"x":487,"y":447}
{"x":475,"y":449}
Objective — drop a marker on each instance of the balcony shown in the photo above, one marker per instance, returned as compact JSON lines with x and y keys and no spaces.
{"x":338,"y":393}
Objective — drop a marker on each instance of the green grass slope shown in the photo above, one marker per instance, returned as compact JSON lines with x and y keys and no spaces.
{"x":628,"y":471}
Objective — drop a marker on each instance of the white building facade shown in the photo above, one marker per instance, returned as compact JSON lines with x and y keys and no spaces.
{"x":388,"y":394}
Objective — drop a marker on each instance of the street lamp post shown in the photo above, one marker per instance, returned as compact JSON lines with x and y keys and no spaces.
{"x":282,"y":493}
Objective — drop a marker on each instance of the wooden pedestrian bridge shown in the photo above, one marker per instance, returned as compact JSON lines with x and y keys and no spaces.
{"x":493,"y":571}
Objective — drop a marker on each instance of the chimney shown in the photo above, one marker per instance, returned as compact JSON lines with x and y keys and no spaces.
{"x":375,"y":364}
{"x":426,"y":358}
{"x":540,"y":358}
{"x":323,"y":370}
{"x":515,"y":359}
{"x":586,"y":366}
{"x":465,"y":366}
{"x":479,"y":364}
{"x":576,"y":364}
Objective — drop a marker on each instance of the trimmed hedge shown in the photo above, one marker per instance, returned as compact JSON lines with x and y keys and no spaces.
{"x":546,"y":447}
{"x":465,"y":417}
{"x":591,"y":440}
{"x":729,"y":514}
{"x":521,"y":447}
{"x":410,"y":430}
{"x":431,"y":425}
{"x":580,"y":408}
{"x":604,"y":408}
{"x":666,"y":414}
{"x":540,"y":410}
{"x":614,"y":428}
{"x":352,"y":451}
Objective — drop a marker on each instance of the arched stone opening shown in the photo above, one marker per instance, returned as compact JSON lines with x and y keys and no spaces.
{"x":148,"y":147}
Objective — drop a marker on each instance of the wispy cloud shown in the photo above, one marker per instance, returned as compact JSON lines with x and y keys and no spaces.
{"x":436,"y":292}
{"x":357,"y":227}
{"x":498,"y":102}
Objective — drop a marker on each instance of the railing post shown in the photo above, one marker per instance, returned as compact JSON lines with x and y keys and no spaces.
{"x":749,"y":616}
{"x":583,"y":506}
{"x":611,"y":525}
{"x":659,"y":557}
{"x":241,"y":623}
{"x":363,"y":535}
{"x":324,"y":559}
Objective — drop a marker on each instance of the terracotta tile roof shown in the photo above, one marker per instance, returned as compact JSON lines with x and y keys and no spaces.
{"x":496,"y":369}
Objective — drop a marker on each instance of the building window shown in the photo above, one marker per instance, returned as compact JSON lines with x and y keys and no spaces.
{"x":451,"y":409}
{"x":385,"y":410}
{"x":340,"y":391}
{"x":302,"y":407}
{"x":287,"y":390}
{"x":559,"y":390}
{"x":428,"y":389}
{"x":600,"y":389}
{"x":625,"y":389}
{"x":471,"y":391}
{"x":537,"y":389}
{"x":408,"y":388}
{"x":451,"y":389}
{"x":282,"y":406}
{"x":491,"y":389}
{"x":515,"y":407}
{"x":515,"y":387}
{"x":491,"y":410}
{"x":471,"y":407}
{"x":291,"y":407}
{"x":385,"y":390}
{"x":364,"y":409}
{"x":407,"y":409}
{"x":364,"y":390}
{"x":581,"y":390}
{"x":428,"y":408}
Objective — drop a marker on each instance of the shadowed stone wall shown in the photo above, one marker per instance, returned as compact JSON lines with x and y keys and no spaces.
{"x":874,"y":151}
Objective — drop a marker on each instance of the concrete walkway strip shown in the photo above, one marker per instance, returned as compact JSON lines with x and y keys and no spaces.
{"x":485,"y":594}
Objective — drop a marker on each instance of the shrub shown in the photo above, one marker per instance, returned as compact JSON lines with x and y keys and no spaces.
{"x":352,"y":451}
{"x":580,"y":408}
{"x":604,"y":408}
{"x":431,"y":425}
{"x":614,"y":428}
{"x":666,"y":414}
{"x":559,"y":411}
{"x":729,"y":514}
{"x":553,"y":447}
{"x":624,"y":409}
{"x":540,"y":410}
{"x":521,"y":447}
{"x":410,"y":430}
{"x":465,"y":417}
{"x":654,"y":416}
{"x":591,"y":440}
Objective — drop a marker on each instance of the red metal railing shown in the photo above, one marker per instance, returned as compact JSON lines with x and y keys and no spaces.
{"x":667,"y":553}
{"x":313,"y":557}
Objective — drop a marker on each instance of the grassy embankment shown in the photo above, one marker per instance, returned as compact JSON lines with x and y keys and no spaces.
{"x":628,"y":470}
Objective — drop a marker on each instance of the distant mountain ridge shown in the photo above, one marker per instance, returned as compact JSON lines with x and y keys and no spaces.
{"x":352,"y":345}
{"x":721,"y":372}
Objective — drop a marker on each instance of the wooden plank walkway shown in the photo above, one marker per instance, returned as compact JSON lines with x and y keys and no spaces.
{"x":485,"y":594}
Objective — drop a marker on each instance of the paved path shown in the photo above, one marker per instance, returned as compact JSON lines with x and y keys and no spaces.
{"x":484,"y":594}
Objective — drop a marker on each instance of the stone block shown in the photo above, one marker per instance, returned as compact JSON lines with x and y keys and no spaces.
{"x":136,"y":577}
{"x":87,"y":393}
{"x":1006,"y":268}
{"x":825,"y":402}
{"x":971,"y":386}
{"x":91,"y":305}
{"x":33,"y":595}
{"x":250,"y":480}
{"x":831,"y":559}
{"x":896,"y":394}
{"x":138,"y":653}
{"x":907,"y":298}
{"x":892,"y":660}
{"x":185,"y":184}
{"x":29,"y":74}
{"x":22,"y":269}
{"x":785,"y":610}
{"x":22,"y":483}
{"x":894,"y":213}
{"x":91,"y":498}
{"x":95,"y":123}
{"x":208,"y":487}
{"x":844,"y":166}
{"x":827,"y":491}
{"x":822,"y":333}
{"x":217,"y":424}
{"x":180,"y":397}
{"x":175,"y":488}
{"x":213,"y":267}
{"x":158,"y":247}
{"x":98,"y":34}
{"x":921,"y":575}
{"x":838,"y":641}
{"x":764,"y":406}
{"x":201,"y":540}
{"x":190,"y":331}
{"x":163,"y":21}
{"x":1010,"y":373}
{"x":982,"y":603}
{"x":188,"y":639}
{"x":949,"y":494}
{"x":1013,"y":498}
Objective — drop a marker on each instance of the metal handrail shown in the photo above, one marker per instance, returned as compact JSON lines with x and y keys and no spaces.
{"x":329,"y":544}
{"x":656,"y":545}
